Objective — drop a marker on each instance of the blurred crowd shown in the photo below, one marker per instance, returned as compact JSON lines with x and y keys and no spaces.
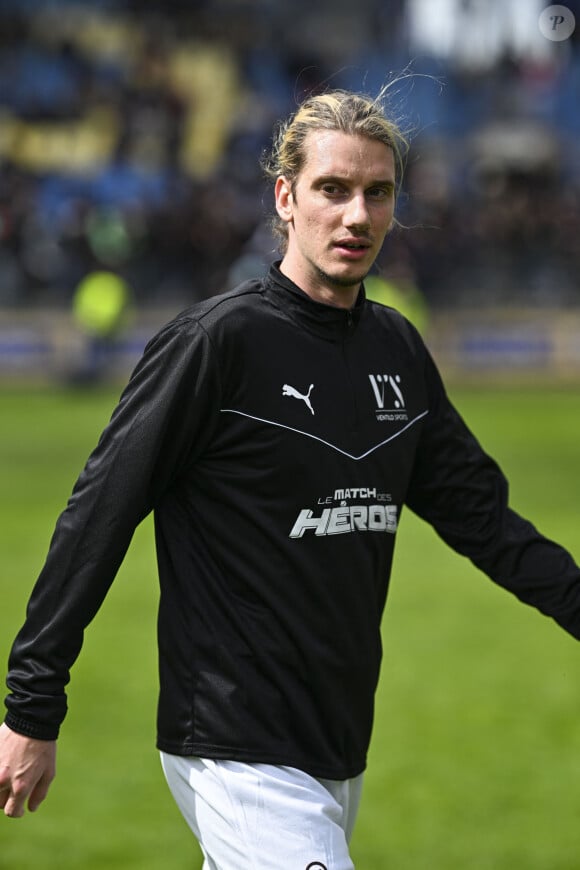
{"x":131,"y":131}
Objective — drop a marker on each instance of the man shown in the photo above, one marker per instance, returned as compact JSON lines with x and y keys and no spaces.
{"x":276,"y":431}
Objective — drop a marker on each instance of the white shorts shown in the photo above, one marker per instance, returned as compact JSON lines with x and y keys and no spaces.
{"x":264,"y":817}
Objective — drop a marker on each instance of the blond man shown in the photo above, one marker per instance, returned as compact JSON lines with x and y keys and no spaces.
{"x":276,"y":431}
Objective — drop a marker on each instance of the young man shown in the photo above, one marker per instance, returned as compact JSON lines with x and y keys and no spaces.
{"x":276,"y":432}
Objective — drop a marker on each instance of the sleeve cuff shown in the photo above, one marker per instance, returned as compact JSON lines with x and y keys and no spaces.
{"x":36,"y":730}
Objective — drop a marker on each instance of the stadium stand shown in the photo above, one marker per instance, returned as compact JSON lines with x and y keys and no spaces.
{"x":130,"y":132}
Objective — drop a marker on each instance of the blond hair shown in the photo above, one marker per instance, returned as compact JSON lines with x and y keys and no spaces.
{"x":344,"y":111}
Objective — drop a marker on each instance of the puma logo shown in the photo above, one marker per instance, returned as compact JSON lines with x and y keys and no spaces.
{"x":287,"y":390}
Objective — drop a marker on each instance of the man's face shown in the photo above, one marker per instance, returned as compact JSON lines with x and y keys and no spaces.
{"x":338,"y":213}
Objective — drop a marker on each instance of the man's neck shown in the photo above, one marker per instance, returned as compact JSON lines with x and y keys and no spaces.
{"x":321,"y":288}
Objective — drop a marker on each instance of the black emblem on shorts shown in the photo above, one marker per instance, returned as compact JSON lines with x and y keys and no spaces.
{"x":316,"y":865}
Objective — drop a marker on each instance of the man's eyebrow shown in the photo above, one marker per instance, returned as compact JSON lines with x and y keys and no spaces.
{"x":384,"y":182}
{"x":344,"y":179}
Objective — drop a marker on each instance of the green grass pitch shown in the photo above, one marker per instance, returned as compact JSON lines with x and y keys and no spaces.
{"x":475,"y":760}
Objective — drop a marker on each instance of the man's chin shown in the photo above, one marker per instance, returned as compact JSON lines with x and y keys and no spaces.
{"x":346,"y":281}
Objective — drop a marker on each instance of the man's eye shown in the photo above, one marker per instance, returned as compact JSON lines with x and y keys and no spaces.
{"x":331,"y":189}
{"x":379,"y":192}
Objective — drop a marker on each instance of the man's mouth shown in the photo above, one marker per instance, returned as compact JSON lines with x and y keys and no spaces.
{"x":353,"y":247}
{"x":354,"y":244}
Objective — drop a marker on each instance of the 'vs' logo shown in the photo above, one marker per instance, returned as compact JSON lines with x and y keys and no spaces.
{"x":386,"y":388}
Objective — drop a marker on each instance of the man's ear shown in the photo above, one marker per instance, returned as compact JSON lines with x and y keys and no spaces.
{"x":284,"y":198}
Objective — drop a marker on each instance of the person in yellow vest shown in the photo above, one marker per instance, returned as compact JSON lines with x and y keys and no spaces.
{"x":101,"y":309}
{"x":397,"y":289}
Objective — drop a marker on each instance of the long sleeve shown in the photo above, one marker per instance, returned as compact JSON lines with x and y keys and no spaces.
{"x":462,"y":493}
{"x":158,"y":427}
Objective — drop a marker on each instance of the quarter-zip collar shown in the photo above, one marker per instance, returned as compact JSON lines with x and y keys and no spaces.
{"x":327,"y":321}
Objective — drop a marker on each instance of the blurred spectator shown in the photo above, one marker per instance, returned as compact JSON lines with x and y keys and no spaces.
{"x":398,"y":288}
{"x":101,"y":309}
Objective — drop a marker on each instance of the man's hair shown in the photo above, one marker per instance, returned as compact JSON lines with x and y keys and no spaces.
{"x":343,"y":111}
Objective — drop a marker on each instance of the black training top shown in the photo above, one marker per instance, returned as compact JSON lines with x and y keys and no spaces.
{"x":276,"y":440}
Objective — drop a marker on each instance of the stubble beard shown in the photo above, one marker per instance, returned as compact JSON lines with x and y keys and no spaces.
{"x":338,"y":281}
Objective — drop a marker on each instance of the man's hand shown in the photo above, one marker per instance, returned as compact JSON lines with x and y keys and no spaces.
{"x":27,"y":768}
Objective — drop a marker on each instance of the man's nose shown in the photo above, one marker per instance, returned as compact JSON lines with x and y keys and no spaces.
{"x":356,"y":213}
